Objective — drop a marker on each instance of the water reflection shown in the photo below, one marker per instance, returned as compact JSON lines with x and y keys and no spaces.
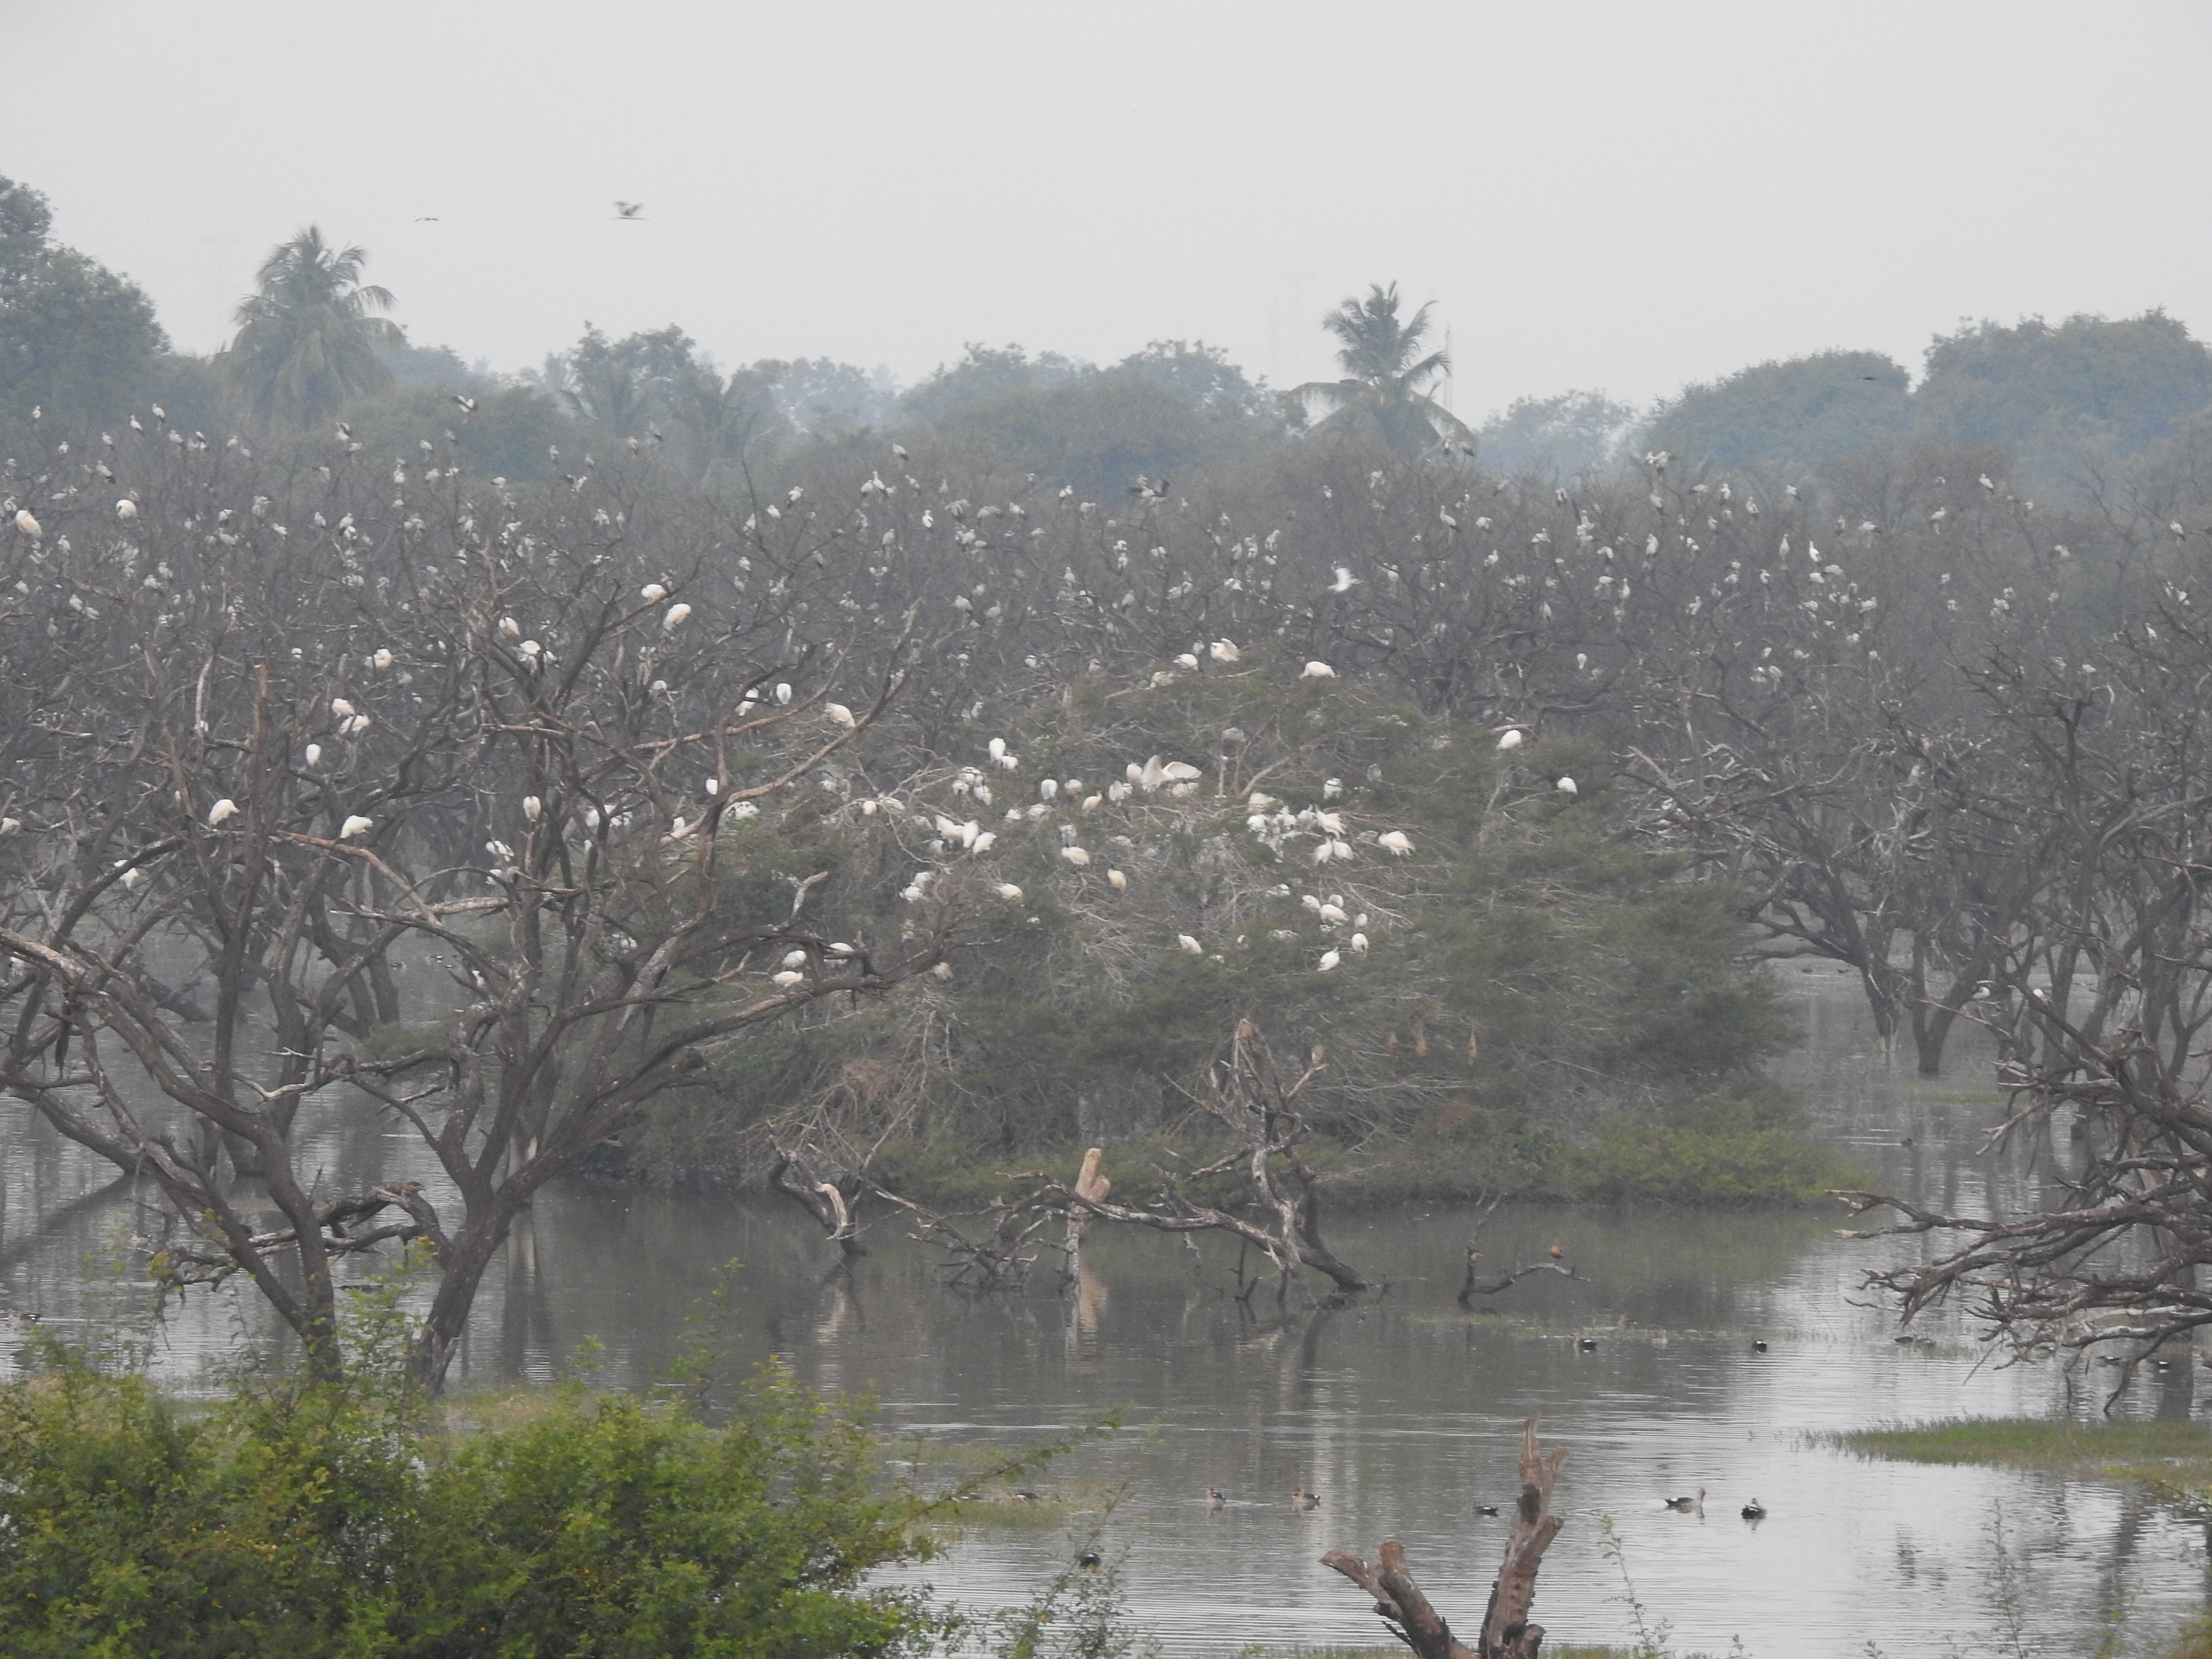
{"x":1400,"y":1412}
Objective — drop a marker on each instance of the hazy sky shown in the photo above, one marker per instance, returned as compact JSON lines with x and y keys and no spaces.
{"x":1619,"y":197}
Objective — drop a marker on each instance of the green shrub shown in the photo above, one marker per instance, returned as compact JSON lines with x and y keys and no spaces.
{"x":305,"y":1521}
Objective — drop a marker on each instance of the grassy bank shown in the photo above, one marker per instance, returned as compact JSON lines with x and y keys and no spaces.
{"x":2174,"y":1454}
{"x":1731,"y":1152}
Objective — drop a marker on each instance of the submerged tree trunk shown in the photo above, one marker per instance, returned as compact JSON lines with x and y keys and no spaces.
{"x":1507,"y":1632}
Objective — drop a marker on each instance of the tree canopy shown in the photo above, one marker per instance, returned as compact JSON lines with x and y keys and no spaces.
{"x":77,"y":341}
{"x":309,"y":338}
{"x":1385,"y":391}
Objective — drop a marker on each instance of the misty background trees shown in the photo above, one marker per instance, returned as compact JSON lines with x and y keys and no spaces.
{"x":1070,"y":712}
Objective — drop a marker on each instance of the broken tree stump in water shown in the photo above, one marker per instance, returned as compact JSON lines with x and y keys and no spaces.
{"x":1506,"y":1632}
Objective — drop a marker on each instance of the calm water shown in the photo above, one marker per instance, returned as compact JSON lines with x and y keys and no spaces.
{"x":1403,"y":1413}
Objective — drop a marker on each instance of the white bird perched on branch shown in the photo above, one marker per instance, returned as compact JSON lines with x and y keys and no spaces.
{"x":1331,"y":914}
{"x":1511,"y":737}
{"x":1120,"y":883}
{"x":1076,"y":856}
{"x":225,"y":808}
{"x":27,"y":524}
{"x":794,"y":958}
{"x":676,"y":613}
{"x":126,"y":510}
{"x":839,"y":714}
{"x":1223,"y":651}
{"x":1007,"y":890}
{"x":1394,"y":842}
{"x":653,"y":592}
{"x":1359,"y":943}
{"x":1567,"y":786}
{"x":314,"y":754}
{"x":783,"y":693}
{"x":381,"y":658}
{"x":356,"y":825}
{"x":1328,"y":961}
{"x":788,"y":978}
{"x":342,"y":708}
{"x":1317,"y":671}
{"x":1190,"y":945}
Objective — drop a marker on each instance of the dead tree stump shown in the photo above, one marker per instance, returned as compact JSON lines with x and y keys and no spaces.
{"x":1506,"y":1632}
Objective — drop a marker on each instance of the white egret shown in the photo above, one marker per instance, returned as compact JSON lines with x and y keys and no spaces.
{"x":713,"y":786}
{"x":653,"y":592}
{"x":794,"y":959}
{"x":1048,"y":789}
{"x":531,"y":806}
{"x":1328,"y":961}
{"x":126,"y":510}
{"x":788,"y":978}
{"x":314,"y":754}
{"x":382,"y":658}
{"x":1007,"y":890}
{"x":356,"y":825}
{"x":1332,"y":913}
{"x":1394,"y":842}
{"x":27,"y":524}
{"x":1181,"y":772}
{"x":223,"y":809}
{"x":1186,"y":660}
{"x":1120,"y":883}
{"x":839,"y":713}
{"x":985,"y":841}
{"x":510,"y":627}
{"x":1076,"y":856}
{"x":676,"y":613}
{"x":342,"y":708}
{"x":1190,"y":945}
{"x":783,"y":695}
{"x":1317,"y":671}
{"x":943,"y":970}
{"x":1510,"y":738}
{"x":1223,"y":651}
{"x":1359,"y":943}
{"x":1567,"y":786}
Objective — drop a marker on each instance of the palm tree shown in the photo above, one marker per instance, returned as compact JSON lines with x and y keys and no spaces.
{"x":1385,"y":376}
{"x":307,"y":338}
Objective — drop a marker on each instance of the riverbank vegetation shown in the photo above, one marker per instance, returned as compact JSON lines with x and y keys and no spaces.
{"x":2173,"y":1454}
{"x":308,"y":1519}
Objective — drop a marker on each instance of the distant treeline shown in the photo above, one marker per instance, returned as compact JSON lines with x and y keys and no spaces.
{"x":2081,"y":409}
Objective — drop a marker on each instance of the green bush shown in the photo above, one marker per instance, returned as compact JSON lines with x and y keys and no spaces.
{"x":306,"y":1521}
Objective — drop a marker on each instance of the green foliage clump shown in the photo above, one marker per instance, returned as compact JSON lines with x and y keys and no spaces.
{"x":1506,"y":995}
{"x":305,"y":1519}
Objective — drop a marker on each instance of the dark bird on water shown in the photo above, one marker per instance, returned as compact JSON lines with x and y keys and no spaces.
{"x":1689,"y":1505}
{"x":1586,"y":1344}
{"x":1758,"y":1345}
{"x":1754,"y":1510}
{"x":1214,"y":1500}
{"x":1089,"y":1561}
{"x":1303,"y":1500}
{"x":1490,"y":1509}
